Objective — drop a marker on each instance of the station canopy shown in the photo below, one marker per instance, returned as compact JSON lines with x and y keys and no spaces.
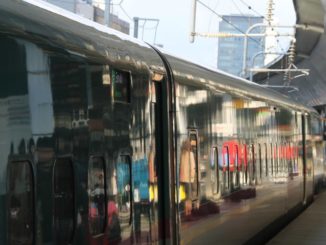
{"x":310,"y":54}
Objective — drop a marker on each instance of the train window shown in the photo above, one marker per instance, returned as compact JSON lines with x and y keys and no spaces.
{"x":124,"y":196}
{"x":236,"y":166}
{"x":96,"y":195}
{"x":245,"y":163}
{"x":64,"y":200}
{"x":21,"y":203}
{"x":284,"y":158}
{"x":266,"y":159}
{"x":194,"y":149}
{"x":121,"y":82}
{"x":215,"y":177}
{"x":260,"y":162}
{"x":188,"y":171}
{"x":252,"y":164}
{"x":272,"y":159}
{"x":276,"y":163}
{"x":226,"y":167}
{"x":289,"y":159}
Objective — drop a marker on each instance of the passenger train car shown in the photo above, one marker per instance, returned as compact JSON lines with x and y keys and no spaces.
{"x":107,"y":140}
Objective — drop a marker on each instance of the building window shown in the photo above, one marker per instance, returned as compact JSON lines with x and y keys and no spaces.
{"x":21,"y":203}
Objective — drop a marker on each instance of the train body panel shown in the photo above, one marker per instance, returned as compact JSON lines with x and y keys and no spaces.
{"x":106,"y":140}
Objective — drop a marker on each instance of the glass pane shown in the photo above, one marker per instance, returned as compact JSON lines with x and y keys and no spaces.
{"x":215,"y":171}
{"x":21,"y":203}
{"x":226,"y":168}
{"x":121,"y":85}
{"x":194,"y":190}
{"x":96,"y":193}
{"x":63,"y":200}
{"x":124,"y":196}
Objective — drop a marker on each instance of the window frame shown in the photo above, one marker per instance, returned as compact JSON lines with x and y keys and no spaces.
{"x":226,"y":166}
{"x":216,"y":170}
{"x":113,"y":85}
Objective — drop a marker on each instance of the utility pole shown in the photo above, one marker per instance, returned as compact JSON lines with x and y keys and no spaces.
{"x":107,"y":13}
{"x":136,"y":25}
{"x":144,"y":21}
{"x":193,"y":21}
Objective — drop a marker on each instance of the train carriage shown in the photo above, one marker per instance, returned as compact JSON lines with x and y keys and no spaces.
{"x":107,"y":140}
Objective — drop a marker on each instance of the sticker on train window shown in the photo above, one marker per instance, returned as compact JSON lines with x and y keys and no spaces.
{"x":121,"y":85}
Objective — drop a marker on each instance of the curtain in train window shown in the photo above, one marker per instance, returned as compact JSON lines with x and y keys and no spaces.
{"x":124,"y":199}
{"x":96,"y":195}
{"x":21,"y":203}
{"x":64,"y":200}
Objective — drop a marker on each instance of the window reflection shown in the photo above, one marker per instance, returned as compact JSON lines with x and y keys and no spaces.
{"x":21,"y":203}
{"x":124,"y":195}
{"x":96,"y":192}
{"x":64,"y":199}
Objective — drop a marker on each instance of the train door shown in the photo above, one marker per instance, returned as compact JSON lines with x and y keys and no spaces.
{"x":155,"y":161}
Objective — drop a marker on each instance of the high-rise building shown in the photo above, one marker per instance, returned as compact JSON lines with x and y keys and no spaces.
{"x":230,"y":49}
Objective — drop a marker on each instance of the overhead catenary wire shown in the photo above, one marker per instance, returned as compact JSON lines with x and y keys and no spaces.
{"x":229,"y":22}
{"x":262,"y":16}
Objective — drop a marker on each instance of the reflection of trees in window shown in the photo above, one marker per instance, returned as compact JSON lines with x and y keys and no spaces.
{"x":64,"y":199}
{"x":21,"y":203}
{"x":96,"y":194}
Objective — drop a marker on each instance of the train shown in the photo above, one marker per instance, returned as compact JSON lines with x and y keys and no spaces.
{"x":105,"y":139}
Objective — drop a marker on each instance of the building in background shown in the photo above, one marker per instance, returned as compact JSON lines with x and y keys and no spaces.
{"x":86,"y":9}
{"x":230,"y":49}
{"x":114,"y":22}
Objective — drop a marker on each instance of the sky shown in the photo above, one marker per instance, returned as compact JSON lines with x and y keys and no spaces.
{"x":175,"y":22}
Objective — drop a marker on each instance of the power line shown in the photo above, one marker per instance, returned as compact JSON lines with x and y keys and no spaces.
{"x":262,"y":16}
{"x":227,"y":21}
{"x":237,"y":7}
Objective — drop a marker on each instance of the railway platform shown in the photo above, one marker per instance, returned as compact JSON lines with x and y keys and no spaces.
{"x":307,"y":228}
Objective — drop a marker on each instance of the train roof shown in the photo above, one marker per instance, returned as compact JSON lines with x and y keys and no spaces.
{"x":223,"y":81}
{"x":80,"y":36}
